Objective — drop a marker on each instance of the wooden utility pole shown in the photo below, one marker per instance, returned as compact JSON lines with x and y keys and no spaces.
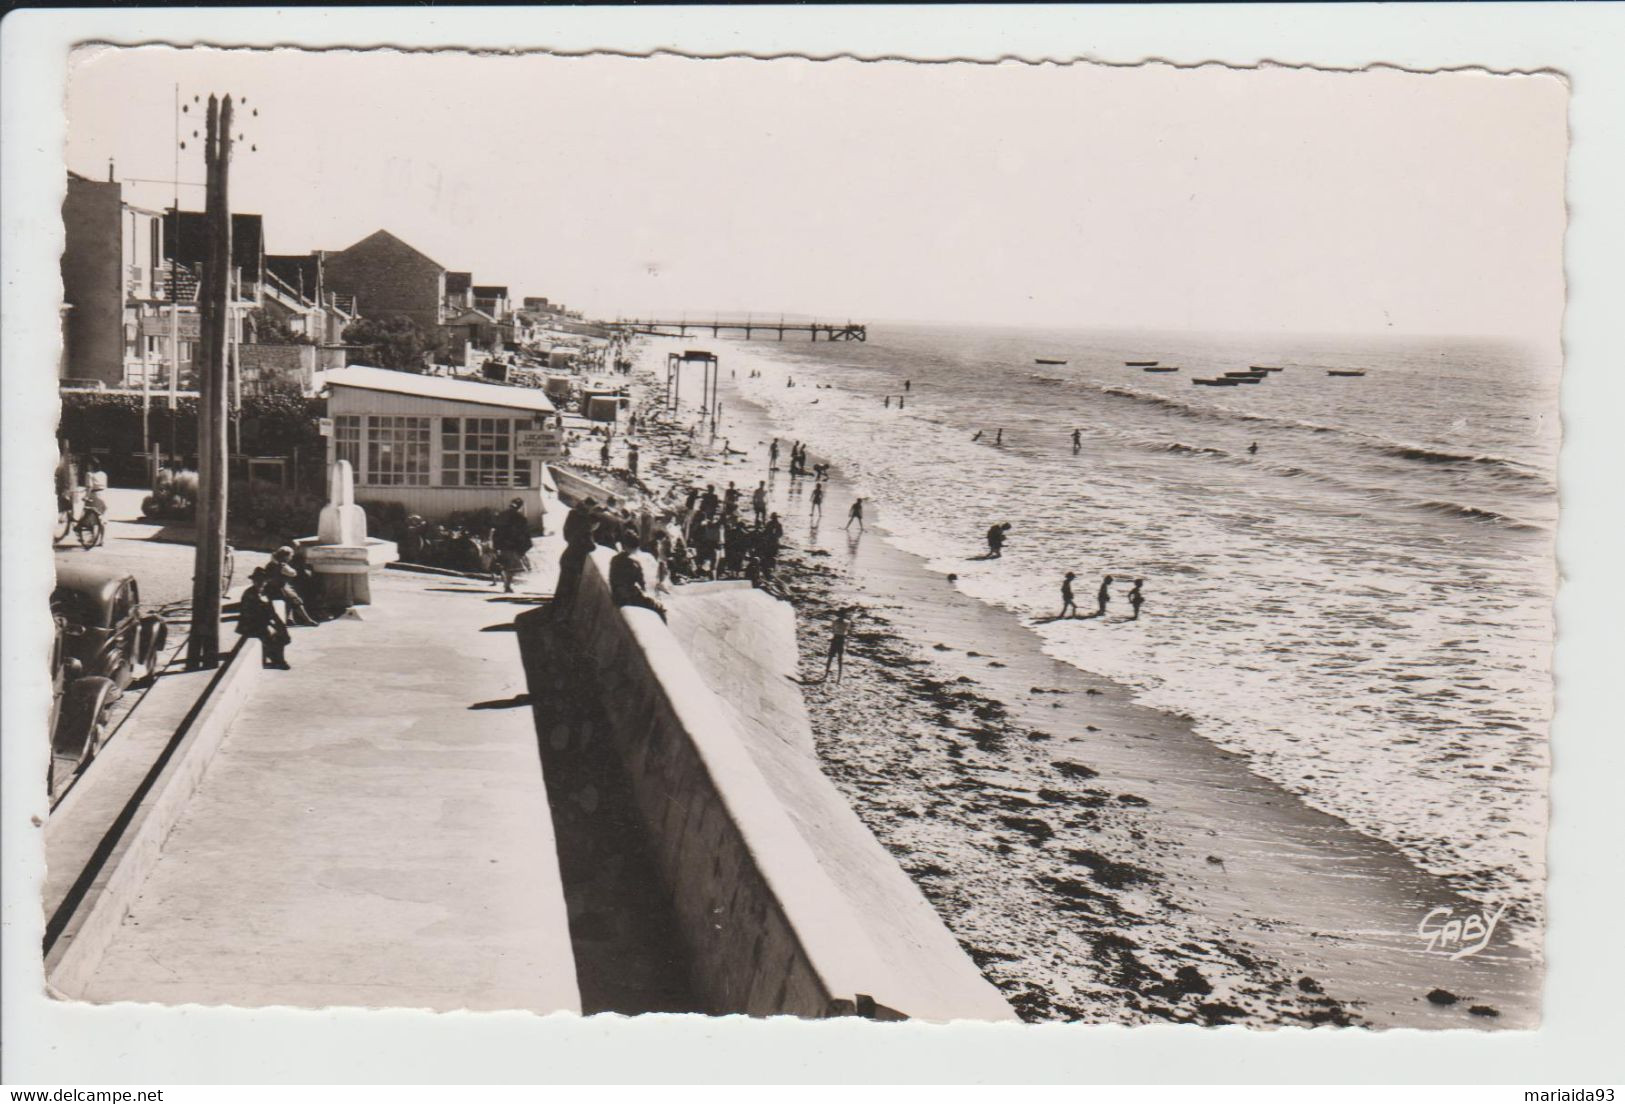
{"x":203,"y":646}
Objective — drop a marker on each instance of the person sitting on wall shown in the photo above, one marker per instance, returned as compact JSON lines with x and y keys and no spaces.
{"x":626,"y":580}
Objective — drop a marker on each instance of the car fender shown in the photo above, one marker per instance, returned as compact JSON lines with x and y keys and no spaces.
{"x":78,"y":732}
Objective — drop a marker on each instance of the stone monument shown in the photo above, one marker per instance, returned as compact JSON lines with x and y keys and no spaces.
{"x":341,"y":554}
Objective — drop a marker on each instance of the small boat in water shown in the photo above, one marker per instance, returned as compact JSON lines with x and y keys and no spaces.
{"x":1140,"y":363}
{"x":1166,"y":368}
{"x":1244,"y":375}
{"x":1215,"y":382}
{"x":1047,"y":360}
{"x":1263,"y":368}
{"x":1246,"y":379}
{"x":1345,"y":371}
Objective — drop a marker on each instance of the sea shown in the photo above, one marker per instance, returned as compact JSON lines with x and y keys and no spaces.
{"x":1362,"y":607}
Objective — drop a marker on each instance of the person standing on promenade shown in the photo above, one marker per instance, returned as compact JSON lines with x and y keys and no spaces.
{"x":1077,"y":441}
{"x":1103,"y":596}
{"x":603,"y":453}
{"x":817,"y":511}
{"x":855,"y":514}
{"x":995,"y":540}
{"x":511,"y":540}
{"x":257,"y":618}
{"x":1136,"y":599}
{"x":1067,"y":602}
{"x":626,"y":582}
{"x":708,"y":501}
{"x":758,"y":503}
{"x":839,"y":631}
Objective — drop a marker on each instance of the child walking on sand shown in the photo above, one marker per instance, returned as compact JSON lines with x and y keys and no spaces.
{"x":1067,"y":601}
{"x":1104,"y":595}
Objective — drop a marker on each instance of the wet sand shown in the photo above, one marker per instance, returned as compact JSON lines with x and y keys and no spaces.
{"x":1100,"y":860}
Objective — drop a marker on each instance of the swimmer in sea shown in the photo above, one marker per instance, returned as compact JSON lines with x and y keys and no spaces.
{"x":1077,"y":441}
{"x":999,"y":440}
{"x":976,"y":438}
{"x":1253,"y":448}
{"x":888,"y":402}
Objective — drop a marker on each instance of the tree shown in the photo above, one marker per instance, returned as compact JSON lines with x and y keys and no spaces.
{"x":397,"y":343}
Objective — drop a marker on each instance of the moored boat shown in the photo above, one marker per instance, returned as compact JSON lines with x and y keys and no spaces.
{"x":1264,"y":368}
{"x":1047,"y":360}
{"x":1345,"y":371}
{"x":1215,"y":382}
{"x":1140,"y":363}
{"x":1246,"y":379}
{"x":1164,"y":368}
{"x":1244,"y":375}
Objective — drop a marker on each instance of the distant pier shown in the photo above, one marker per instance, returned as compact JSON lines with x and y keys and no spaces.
{"x":831,"y":331}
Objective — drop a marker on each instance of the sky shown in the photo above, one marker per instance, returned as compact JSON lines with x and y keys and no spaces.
{"x":1148,"y":197}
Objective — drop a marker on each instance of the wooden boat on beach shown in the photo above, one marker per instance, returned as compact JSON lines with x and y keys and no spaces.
{"x":1140,"y":363}
{"x":1215,"y":382}
{"x":575,"y":488}
{"x":1165,"y":368}
{"x":1345,"y":371}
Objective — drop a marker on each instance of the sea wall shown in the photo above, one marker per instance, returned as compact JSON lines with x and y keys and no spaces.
{"x":767,"y":929}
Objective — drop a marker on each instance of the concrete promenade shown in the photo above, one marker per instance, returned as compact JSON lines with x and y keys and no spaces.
{"x":374,"y":830}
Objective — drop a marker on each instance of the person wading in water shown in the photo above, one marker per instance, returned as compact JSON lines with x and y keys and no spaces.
{"x":1067,"y":601}
{"x":855,"y":514}
{"x":995,"y":540}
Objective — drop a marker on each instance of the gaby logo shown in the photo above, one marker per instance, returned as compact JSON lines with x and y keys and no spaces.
{"x":1458,"y":936}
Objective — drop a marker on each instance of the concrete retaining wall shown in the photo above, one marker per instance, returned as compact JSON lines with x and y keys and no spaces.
{"x":120,"y":870}
{"x":767,"y":930}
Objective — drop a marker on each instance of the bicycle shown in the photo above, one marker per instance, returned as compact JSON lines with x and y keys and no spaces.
{"x":89,"y":527}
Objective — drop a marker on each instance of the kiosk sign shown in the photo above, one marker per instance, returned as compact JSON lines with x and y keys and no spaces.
{"x":538,"y":444}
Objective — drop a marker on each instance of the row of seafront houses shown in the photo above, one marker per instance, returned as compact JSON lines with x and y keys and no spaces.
{"x":439,"y":442}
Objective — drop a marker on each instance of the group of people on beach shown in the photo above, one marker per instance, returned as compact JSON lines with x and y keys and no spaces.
{"x":1069,"y":606}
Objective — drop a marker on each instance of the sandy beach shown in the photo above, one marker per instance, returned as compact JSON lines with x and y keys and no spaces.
{"x":1098,"y":859}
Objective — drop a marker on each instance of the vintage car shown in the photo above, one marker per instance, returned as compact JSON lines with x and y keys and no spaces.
{"x":79,"y":712}
{"x":103,"y":644}
{"x":106,"y":632}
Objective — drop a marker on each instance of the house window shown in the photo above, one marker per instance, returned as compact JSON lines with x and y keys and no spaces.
{"x":347,"y":441}
{"x":478,"y":452}
{"x":397,"y":451}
